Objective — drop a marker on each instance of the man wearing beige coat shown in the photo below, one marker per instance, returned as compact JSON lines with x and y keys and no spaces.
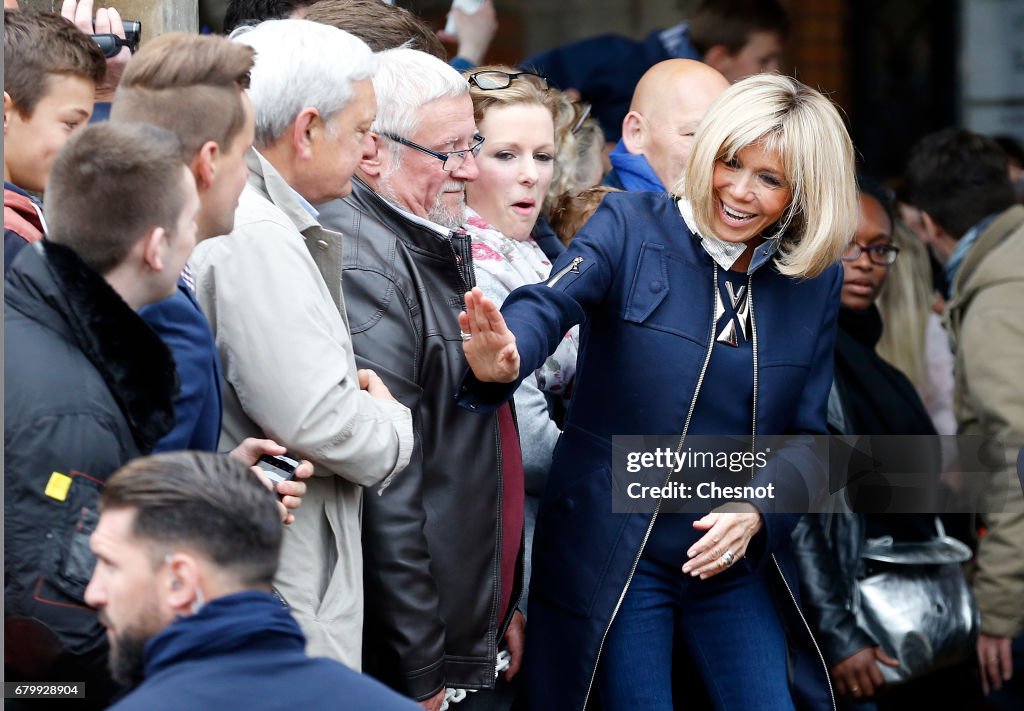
{"x":958,"y":179}
{"x":272,"y":292}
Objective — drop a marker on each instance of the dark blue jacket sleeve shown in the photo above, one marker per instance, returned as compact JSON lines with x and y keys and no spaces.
{"x":197,"y":409}
{"x":540,"y":314}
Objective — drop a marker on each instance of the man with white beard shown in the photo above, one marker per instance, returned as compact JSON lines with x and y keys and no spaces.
{"x":442,"y":546}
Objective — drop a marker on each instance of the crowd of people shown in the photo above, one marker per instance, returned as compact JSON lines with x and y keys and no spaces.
{"x":436,"y":291}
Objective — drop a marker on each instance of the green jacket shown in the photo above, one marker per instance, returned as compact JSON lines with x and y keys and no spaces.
{"x":987,"y":332}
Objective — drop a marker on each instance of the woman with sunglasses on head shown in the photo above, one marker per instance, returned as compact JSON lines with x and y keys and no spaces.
{"x":710,"y":311}
{"x":516,"y":111}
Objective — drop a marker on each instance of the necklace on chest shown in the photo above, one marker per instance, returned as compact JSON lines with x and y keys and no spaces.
{"x":732,"y":321}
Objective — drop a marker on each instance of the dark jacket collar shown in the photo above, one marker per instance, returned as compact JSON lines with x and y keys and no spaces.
{"x":224,"y":626}
{"x":413,"y":234}
{"x":54,"y":287}
{"x":865,"y":326}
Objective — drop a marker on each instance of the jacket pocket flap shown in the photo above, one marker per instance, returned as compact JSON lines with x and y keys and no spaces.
{"x":650,"y":284}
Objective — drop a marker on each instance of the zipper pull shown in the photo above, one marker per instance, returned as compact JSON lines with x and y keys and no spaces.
{"x":573,"y":267}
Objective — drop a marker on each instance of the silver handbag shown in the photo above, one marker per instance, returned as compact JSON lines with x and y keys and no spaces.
{"x":921,"y":609}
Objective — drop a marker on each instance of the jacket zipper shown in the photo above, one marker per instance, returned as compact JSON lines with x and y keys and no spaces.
{"x":459,"y":261}
{"x":573,"y":266}
{"x":753,"y":437}
{"x":657,"y":507}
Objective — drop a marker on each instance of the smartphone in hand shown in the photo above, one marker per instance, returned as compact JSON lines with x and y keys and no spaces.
{"x":278,"y":467}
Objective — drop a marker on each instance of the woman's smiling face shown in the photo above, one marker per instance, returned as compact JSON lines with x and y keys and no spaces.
{"x":751,"y":193}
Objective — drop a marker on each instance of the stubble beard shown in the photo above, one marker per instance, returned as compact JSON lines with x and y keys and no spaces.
{"x":438,"y":213}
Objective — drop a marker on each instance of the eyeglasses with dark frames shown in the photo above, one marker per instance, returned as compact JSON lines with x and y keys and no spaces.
{"x":489,"y":79}
{"x":450,"y":161}
{"x":881,"y":254}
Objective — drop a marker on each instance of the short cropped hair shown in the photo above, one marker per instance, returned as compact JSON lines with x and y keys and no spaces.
{"x":301,"y":64}
{"x":112,"y":184}
{"x":209,"y":503}
{"x":958,"y":177}
{"x":806,"y":131}
{"x":188,"y":84}
{"x":40,"y":45}
{"x":253,"y":12}
{"x":408,"y":79}
{"x":731,"y":22}
{"x":380,"y":25}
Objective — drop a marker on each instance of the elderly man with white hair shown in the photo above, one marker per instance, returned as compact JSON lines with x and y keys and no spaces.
{"x":272,"y":292}
{"x":443,"y":546}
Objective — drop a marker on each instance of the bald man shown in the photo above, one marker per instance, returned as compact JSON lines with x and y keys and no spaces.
{"x":657,"y":134}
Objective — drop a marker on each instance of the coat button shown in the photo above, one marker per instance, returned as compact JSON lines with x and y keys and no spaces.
{"x":568,"y":504}
{"x":322,"y":244}
{"x":656,"y":286}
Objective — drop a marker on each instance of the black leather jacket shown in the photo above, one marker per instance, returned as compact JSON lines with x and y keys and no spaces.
{"x":432,"y":541}
{"x":828,"y":551}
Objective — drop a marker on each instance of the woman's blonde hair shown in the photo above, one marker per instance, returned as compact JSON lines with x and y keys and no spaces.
{"x":905,"y":305}
{"x":805,"y":130}
{"x":524,"y":89}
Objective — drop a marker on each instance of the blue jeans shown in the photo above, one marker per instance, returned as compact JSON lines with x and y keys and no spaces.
{"x":728,"y":625}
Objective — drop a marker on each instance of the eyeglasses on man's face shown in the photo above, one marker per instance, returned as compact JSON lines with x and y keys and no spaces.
{"x":452,"y":160}
{"x":489,"y":79}
{"x":881,"y":254}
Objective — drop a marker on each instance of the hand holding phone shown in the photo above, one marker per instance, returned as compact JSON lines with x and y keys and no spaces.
{"x":278,"y":468}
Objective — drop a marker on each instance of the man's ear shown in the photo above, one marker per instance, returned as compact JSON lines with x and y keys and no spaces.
{"x":718,"y":57}
{"x":306,"y":130}
{"x":205,"y":164}
{"x":931,"y":227}
{"x":153,"y":247}
{"x":373,"y":166}
{"x":8,"y":110}
{"x":633,"y":133}
{"x":941,"y":242}
{"x":180,"y":586}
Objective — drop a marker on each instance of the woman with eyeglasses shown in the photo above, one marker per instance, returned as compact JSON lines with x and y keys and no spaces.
{"x":872,"y":397}
{"x":516,"y":111}
{"x":709,"y":311}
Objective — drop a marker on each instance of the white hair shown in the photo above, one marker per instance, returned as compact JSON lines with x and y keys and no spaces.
{"x":406,"y":80}
{"x":301,"y":64}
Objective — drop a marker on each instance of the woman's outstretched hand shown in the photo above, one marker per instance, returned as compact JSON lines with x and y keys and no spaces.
{"x":489,"y":346}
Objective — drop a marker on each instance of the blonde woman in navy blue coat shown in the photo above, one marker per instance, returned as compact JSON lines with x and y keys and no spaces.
{"x":766,"y":207}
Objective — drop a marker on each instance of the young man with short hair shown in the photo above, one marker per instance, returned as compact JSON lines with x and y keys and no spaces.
{"x":51,"y":70}
{"x":88,"y":385}
{"x":959,"y":181}
{"x":187,"y":547}
{"x":195,"y":87}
